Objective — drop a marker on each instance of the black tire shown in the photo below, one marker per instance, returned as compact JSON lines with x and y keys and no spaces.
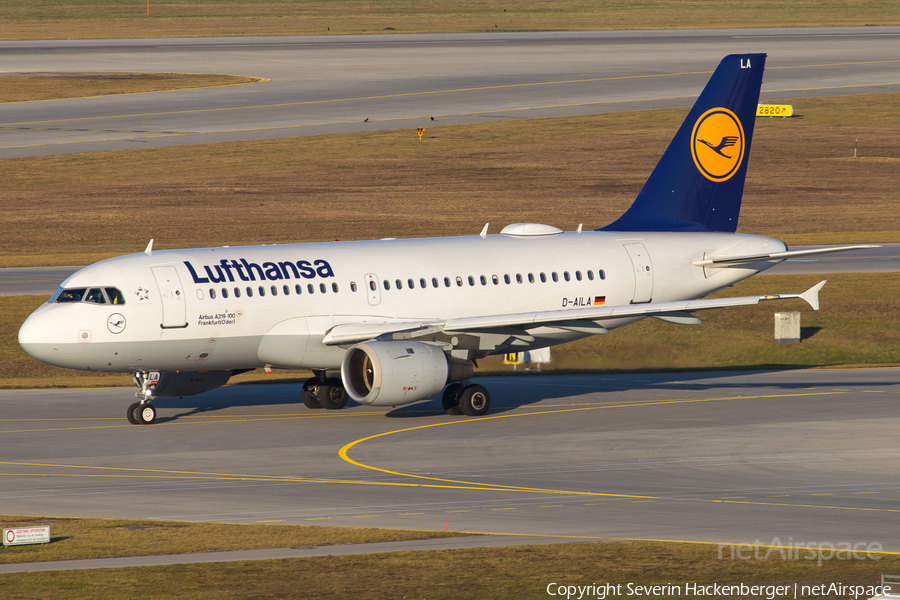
{"x":310,"y":394}
{"x":475,"y":400}
{"x":450,"y":399}
{"x":132,"y":413}
{"x":333,"y":396}
{"x":146,"y":414}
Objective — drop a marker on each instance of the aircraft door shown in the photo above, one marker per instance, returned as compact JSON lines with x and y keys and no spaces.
{"x":643,"y":273}
{"x":373,"y":292}
{"x":174,"y":313}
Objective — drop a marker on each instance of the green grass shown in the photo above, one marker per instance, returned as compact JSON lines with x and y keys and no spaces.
{"x":514,"y":573}
{"x":70,"y":19}
{"x":75,"y":539}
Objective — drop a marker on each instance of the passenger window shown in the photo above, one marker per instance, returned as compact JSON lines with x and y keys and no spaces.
{"x":555,"y":276}
{"x":518,"y":278}
{"x":249,"y":292}
{"x":237,"y":292}
{"x":115,"y":296}
{"x":543,"y":278}
{"x":411,"y":284}
{"x":71,"y":295}
{"x":334,"y":288}
{"x":372,"y":285}
{"x":262,"y":290}
{"x":602,"y":274}
{"x":506,"y":279}
{"x":399,"y":284}
{"x":566,"y":276}
{"x":531,"y":278}
{"x":387,"y":284}
{"x":459,"y":282}
{"x":298,"y":288}
{"x":224,"y":293}
{"x":434,"y":282}
{"x":483,"y":280}
{"x":446,"y":282}
{"x":352,"y":286}
{"x":422,"y":284}
{"x":310,"y":288}
{"x":274,"y":290}
{"x":95,"y":295}
{"x":578,"y":275}
{"x":590,"y":275}
{"x":471,"y":280}
{"x":212,"y":294}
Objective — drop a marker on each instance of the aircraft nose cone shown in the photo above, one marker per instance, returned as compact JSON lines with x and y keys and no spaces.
{"x":40,"y":337}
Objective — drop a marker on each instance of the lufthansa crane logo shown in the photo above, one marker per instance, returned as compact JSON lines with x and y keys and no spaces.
{"x":717,"y":144}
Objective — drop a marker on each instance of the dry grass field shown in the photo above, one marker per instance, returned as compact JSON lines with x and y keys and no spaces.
{"x":76,"y":19}
{"x":27,"y":87}
{"x":803,"y":184}
{"x":513,"y":573}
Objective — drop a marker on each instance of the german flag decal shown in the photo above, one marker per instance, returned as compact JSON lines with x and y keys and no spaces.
{"x":599,"y":300}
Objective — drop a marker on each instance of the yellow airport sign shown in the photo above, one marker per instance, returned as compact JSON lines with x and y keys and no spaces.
{"x":513,"y":358}
{"x":774,"y":110}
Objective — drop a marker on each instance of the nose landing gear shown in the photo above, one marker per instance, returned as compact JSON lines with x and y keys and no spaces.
{"x":143,"y":412}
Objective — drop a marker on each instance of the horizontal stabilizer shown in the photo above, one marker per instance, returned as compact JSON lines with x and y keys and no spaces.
{"x":752,"y":258}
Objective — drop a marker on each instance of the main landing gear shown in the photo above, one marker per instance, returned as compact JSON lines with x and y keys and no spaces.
{"x":324,"y":392}
{"x":471,"y":400}
{"x":143,"y":412}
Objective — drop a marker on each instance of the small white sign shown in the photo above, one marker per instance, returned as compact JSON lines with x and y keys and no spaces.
{"x":18,"y":536}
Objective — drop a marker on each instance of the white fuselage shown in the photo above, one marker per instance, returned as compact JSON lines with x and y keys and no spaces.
{"x":177,"y":316}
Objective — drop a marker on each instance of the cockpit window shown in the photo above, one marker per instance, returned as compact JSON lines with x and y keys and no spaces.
{"x":115,"y":296}
{"x":71,"y":295}
{"x":96,"y":296}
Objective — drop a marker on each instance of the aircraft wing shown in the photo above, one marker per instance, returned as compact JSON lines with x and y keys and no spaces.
{"x":739,"y":260}
{"x":585,"y":320}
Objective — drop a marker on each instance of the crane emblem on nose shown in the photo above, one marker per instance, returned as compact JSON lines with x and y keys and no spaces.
{"x":115,"y":323}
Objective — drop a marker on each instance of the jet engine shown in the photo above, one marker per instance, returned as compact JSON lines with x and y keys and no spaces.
{"x":185,"y":383}
{"x":394,"y":373}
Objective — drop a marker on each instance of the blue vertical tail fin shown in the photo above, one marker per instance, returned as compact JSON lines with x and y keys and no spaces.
{"x":699,"y":181}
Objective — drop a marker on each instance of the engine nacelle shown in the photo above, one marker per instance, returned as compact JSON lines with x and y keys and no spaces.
{"x":186,"y":383}
{"x":394,"y":373}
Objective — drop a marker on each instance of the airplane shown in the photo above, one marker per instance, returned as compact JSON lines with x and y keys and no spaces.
{"x":403,"y":320}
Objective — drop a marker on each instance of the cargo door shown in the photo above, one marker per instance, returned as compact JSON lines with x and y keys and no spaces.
{"x":171,"y":293}
{"x":643,"y":273}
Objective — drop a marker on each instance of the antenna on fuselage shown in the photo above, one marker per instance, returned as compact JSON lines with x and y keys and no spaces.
{"x":483,"y":233}
{"x":149,"y":249}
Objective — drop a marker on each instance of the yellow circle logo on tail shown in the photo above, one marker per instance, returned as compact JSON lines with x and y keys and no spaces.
{"x":717,"y":144}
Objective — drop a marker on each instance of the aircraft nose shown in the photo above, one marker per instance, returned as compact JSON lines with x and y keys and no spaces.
{"x":40,"y":336}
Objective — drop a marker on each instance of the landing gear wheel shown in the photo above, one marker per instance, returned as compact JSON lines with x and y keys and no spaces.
{"x":310,"y":393}
{"x":475,"y":400}
{"x":132,"y":413}
{"x":333,"y":396}
{"x":450,"y":399}
{"x":145,"y":414}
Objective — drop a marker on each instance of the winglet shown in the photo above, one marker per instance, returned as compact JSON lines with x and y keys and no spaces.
{"x":149,"y":250}
{"x":812,"y":295}
{"x":483,"y":233}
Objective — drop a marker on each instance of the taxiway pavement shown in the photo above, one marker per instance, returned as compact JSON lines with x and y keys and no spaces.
{"x":757,"y":457}
{"x":331,"y":84}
